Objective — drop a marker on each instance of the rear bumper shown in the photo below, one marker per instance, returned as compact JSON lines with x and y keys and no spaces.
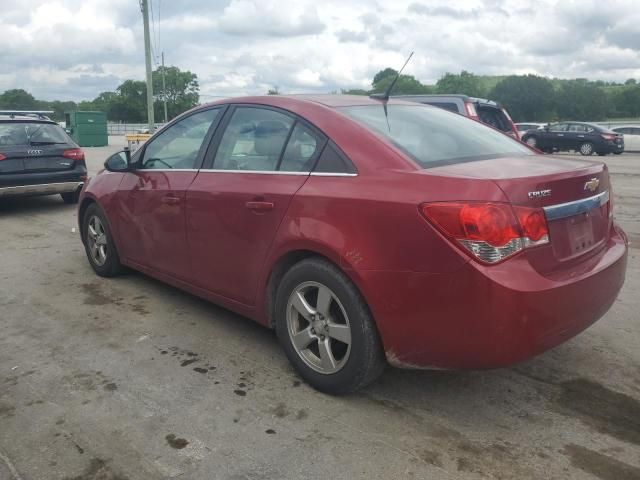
{"x":487,"y":317}
{"x":610,"y":147}
{"x":40,"y":189}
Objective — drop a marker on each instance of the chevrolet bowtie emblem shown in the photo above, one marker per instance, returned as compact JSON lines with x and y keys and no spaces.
{"x":592,"y":184}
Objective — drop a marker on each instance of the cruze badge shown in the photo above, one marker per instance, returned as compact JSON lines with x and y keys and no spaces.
{"x":592,"y":184}
{"x":540,"y":194}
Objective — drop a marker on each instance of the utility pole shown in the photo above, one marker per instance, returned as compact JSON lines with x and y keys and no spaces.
{"x":164,"y":91}
{"x":144,"y":6}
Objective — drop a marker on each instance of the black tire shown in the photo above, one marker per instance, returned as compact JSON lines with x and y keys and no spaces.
{"x":112,"y":266}
{"x":70,"y":197}
{"x":602,"y":154}
{"x":365,"y":361}
{"x":586,"y":149}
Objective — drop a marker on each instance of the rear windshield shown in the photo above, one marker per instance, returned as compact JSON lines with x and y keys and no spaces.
{"x":434,"y":137}
{"x":25,"y":133}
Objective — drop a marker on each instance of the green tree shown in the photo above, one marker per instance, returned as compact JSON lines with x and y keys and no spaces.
{"x":182,"y":91}
{"x":464,"y":83}
{"x":581,"y":100}
{"x":406,"y":84}
{"x":18,"y":99}
{"x":273,"y":91}
{"x":527,"y":97}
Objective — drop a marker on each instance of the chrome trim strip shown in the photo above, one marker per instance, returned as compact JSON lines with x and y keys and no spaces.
{"x":165,"y":170}
{"x":564,"y":210}
{"x":330,"y":174}
{"x":41,"y":189}
{"x":259,"y":172}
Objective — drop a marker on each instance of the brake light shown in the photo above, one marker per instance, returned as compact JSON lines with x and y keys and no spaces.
{"x":2,"y":157}
{"x":471,"y":110}
{"x":491,"y":232}
{"x":73,"y":154}
{"x":608,"y":136}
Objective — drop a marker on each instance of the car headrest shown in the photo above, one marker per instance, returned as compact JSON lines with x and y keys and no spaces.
{"x":269,"y":137}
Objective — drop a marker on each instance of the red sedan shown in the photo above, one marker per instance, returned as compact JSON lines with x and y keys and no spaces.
{"x":364,"y":230}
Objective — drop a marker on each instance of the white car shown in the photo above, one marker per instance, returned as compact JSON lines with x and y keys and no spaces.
{"x":631,"y":136}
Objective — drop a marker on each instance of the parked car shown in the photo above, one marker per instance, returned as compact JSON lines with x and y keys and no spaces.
{"x":585,"y":138}
{"x":37,"y":157}
{"x":630,"y":135}
{"x":523,"y":127}
{"x":486,"y":111}
{"x":362,"y":230}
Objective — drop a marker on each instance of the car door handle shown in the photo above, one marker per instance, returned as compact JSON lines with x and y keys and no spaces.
{"x":260,"y":206}
{"x":170,"y":200}
{"x":561,"y":134}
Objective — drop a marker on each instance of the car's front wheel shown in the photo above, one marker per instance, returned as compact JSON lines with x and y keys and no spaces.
{"x":586,"y":148}
{"x":326,"y":329}
{"x":99,"y":244}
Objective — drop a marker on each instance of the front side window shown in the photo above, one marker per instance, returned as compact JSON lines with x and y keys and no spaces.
{"x":178,"y":146}
{"x":253,"y":140}
{"x":434,"y":137}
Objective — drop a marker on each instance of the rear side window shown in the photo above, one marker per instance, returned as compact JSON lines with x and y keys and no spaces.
{"x":254,"y":140}
{"x":433,"y":137}
{"x":332,"y":160}
{"x":24,"y":133}
{"x":301,"y":150}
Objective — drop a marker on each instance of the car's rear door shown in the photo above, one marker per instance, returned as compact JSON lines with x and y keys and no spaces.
{"x":556,"y":136}
{"x":259,"y":159}
{"x":150,"y":202}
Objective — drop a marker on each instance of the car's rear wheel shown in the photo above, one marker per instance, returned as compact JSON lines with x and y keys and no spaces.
{"x":532,"y":142}
{"x":99,"y":244}
{"x":586,"y":148}
{"x":326,"y":329}
{"x":70,"y":197}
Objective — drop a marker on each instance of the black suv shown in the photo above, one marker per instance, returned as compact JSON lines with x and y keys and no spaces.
{"x":37,"y":157}
{"x":585,"y":138}
{"x":485,"y":111}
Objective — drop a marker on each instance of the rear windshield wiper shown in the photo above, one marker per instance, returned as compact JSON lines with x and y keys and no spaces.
{"x":46,"y":143}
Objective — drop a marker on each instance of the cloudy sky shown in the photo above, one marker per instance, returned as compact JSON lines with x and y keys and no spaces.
{"x":75,"y":49}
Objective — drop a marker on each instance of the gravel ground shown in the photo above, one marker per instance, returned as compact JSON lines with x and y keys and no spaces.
{"x":131,"y":379}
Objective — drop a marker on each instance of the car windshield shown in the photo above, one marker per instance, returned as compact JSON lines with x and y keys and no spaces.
{"x":25,"y":133}
{"x":434,"y":137}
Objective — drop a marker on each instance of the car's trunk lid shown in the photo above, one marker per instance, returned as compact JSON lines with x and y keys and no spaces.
{"x":573,"y":193}
{"x":34,"y":158}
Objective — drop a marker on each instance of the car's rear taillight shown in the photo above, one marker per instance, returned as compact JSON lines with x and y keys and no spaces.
{"x":491,"y":232}
{"x":2,"y":157}
{"x":471,"y":109}
{"x":608,"y":136}
{"x":73,"y":154}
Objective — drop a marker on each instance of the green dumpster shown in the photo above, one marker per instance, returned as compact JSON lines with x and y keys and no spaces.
{"x":88,"y":129}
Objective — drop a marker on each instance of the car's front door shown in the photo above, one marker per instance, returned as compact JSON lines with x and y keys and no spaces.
{"x":151,"y":198}
{"x":236,"y":204}
{"x":556,"y":136}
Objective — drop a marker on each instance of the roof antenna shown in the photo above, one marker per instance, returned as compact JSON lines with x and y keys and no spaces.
{"x":387,"y":93}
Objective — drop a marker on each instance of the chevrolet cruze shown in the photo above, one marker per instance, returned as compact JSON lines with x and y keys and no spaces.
{"x":364,"y":231}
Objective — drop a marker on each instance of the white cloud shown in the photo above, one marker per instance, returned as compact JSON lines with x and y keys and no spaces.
{"x":76,"y":48}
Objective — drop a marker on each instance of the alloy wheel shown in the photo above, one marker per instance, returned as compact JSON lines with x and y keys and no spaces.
{"x":97,"y":238}
{"x":319,"y":327}
{"x":532,"y":142}
{"x":586,"y":149}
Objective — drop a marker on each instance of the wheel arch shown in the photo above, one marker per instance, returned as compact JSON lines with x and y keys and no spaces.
{"x":284,"y":262}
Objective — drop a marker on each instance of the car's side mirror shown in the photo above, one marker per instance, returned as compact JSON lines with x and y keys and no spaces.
{"x":119,"y":162}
